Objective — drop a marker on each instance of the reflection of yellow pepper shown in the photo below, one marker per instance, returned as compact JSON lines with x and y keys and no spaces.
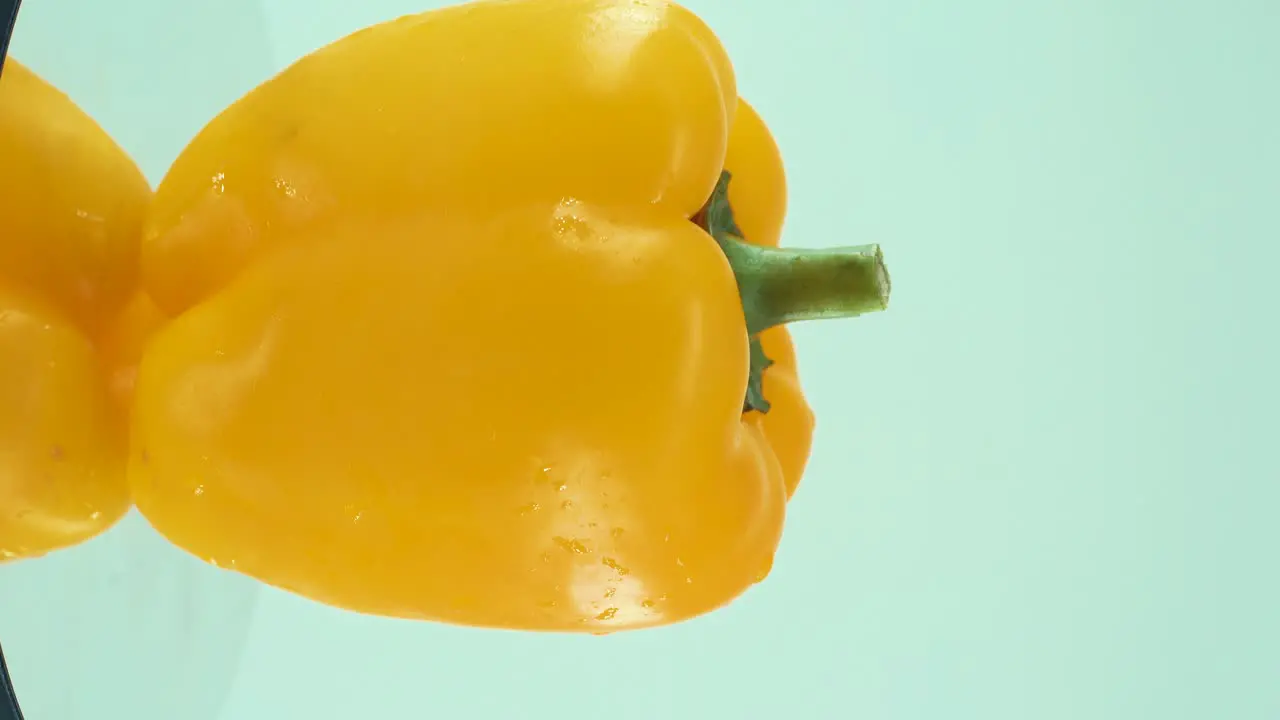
{"x":447,"y":344}
{"x":122,"y":346}
{"x":71,"y":210}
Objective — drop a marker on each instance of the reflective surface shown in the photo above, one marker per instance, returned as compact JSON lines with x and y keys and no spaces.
{"x":1041,"y":485}
{"x":123,"y":626}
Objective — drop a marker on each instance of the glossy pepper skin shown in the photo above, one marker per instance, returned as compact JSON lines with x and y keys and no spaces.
{"x":72,"y":205}
{"x":447,"y":344}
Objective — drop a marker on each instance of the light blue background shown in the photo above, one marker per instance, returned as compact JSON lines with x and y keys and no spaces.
{"x":1044,"y":485}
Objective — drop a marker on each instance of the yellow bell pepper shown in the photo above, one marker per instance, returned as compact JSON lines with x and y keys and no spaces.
{"x":458,"y":326}
{"x":72,"y":205}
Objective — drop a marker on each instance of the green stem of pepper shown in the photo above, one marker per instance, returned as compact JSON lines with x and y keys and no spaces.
{"x":785,"y":285}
